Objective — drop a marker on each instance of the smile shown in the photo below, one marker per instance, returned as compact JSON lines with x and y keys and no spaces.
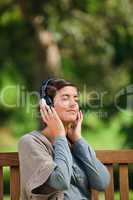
{"x":72,"y":111}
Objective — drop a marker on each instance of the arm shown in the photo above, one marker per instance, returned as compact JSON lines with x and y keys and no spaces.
{"x":61,"y":176}
{"x":97,"y":173}
{"x":40,"y":173}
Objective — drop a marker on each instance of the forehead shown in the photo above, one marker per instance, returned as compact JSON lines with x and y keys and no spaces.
{"x":68,"y":90}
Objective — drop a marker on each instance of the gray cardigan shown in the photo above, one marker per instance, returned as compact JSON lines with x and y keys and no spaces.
{"x":59,"y":171}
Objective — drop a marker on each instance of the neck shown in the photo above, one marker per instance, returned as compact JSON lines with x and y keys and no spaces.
{"x":46,"y":132}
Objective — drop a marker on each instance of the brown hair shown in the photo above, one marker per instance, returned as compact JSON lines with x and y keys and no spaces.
{"x":53,"y":86}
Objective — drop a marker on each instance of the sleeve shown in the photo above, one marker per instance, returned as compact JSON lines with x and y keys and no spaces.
{"x":61,"y":176}
{"x":36,"y":165}
{"x":97,"y":173}
{"x":44,"y":174}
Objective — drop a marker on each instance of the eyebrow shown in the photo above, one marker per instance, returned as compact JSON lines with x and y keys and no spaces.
{"x":68,"y":95}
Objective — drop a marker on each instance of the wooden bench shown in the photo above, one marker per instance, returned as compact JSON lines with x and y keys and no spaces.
{"x":108,"y":157}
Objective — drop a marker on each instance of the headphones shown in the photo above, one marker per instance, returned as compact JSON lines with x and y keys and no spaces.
{"x":43,"y":92}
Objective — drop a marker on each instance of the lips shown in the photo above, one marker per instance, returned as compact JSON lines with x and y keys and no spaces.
{"x":72,"y":111}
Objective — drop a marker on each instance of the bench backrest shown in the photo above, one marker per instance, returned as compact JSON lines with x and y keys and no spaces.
{"x":123,"y":158}
{"x":108,"y":157}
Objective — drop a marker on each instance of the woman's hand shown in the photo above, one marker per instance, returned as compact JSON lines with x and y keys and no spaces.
{"x":51,"y":118}
{"x":74,"y":130}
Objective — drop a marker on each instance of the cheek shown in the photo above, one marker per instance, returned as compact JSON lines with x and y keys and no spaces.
{"x":64,"y":115}
{"x":60,"y":110}
{"x":60,"y":106}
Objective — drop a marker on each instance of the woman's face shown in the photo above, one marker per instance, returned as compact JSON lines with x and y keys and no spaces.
{"x":66,"y":104}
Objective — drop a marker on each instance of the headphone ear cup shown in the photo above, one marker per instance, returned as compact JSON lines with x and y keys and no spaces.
{"x":48,"y":101}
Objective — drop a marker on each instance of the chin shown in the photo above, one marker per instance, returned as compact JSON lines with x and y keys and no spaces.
{"x":70,"y":120}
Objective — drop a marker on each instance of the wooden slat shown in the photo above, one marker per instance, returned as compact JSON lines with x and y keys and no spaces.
{"x":109,"y":193}
{"x":115,"y":156}
{"x":94,"y":195}
{"x":14,"y":183}
{"x":106,"y":156}
{"x":1,"y":183}
{"x":124,"y":184}
{"x":9,"y":159}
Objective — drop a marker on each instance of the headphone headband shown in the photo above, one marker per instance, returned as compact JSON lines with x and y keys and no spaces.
{"x":44,"y":87}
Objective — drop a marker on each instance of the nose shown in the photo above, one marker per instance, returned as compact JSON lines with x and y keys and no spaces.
{"x":73,"y":103}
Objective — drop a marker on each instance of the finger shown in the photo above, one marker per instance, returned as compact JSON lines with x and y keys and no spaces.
{"x":81,"y":115}
{"x":43,"y":104}
{"x":78,"y":116}
{"x":45,"y":112}
{"x":50,"y":113}
{"x":43,"y":117}
{"x":54,"y":112}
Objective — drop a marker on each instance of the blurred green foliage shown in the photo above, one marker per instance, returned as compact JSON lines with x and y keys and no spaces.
{"x":95,"y":41}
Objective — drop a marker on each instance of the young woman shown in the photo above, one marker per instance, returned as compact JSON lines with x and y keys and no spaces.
{"x":56,"y":163}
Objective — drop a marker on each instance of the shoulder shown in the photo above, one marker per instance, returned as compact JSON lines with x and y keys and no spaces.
{"x":25,"y":143}
{"x":25,"y":139}
{"x":34,"y":140}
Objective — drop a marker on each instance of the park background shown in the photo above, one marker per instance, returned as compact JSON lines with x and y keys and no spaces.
{"x":88,"y":42}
